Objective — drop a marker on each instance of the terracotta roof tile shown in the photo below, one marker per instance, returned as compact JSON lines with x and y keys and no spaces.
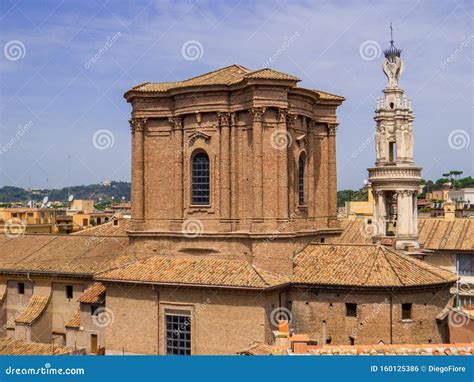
{"x":75,"y":322}
{"x":203,"y":271}
{"x":12,"y":347}
{"x":364,"y":265}
{"x":93,"y":294}
{"x":36,"y":306}
{"x":434,"y":234}
{"x":227,"y":76}
{"x":79,"y":254}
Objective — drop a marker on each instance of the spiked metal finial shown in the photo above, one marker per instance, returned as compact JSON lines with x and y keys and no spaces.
{"x":392,"y":51}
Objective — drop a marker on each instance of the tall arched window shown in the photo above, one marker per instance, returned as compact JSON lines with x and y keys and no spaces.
{"x":301,"y":169}
{"x":200,"y":179}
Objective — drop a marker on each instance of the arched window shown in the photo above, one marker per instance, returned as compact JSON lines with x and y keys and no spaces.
{"x":301,"y":169}
{"x":200,"y":179}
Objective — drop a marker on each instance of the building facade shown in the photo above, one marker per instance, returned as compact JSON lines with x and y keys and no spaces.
{"x":227,"y":159}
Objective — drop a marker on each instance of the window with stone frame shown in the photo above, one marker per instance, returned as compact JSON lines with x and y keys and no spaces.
{"x":301,"y":179}
{"x":178,"y":334}
{"x":200,"y":179}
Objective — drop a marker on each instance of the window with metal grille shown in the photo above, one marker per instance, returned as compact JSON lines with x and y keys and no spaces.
{"x":301,"y":168}
{"x":200,"y":179}
{"x":178,"y":334}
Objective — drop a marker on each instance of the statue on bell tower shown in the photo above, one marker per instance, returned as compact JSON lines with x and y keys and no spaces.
{"x":395,"y":179}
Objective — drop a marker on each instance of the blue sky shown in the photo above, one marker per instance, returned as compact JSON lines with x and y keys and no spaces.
{"x":54,"y":98}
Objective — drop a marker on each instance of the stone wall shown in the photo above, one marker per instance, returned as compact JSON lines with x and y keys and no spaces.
{"x":321,"y":313}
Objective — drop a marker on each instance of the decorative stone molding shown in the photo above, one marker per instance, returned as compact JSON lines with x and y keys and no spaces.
{"x":224,"y":118}
{"x":176,"y":122}
{"x":258,"y":113}
{"x":198,"y":135}
{"x":137,"y":124}
{"x":234,"y":118}
{"x":332,"y":127}
{"x":291,"y":118}
{"x":282,"y":115}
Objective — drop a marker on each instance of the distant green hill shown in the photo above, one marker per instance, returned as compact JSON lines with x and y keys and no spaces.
{"x":92,"y":191}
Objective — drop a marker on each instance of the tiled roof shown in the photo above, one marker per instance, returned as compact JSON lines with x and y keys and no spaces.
{"x":227,"y":76}
{"x":75,"y":321}
{"x":92,"y":295}
{"x":36,"y":306}
{"x":78,"y":254}
{"x":12,"y":347}
{"x":364,"y":266}
{"x":107,"y":229}
{"x":202,"y":271}
{"x":434,"y":234}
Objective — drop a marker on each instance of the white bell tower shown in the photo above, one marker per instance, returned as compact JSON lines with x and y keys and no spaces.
{"x":395,"y":179}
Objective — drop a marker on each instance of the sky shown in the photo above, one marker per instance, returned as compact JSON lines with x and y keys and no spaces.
{"x":66,"y":64}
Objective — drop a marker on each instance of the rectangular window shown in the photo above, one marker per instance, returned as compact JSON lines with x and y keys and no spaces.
{"x":84,"y":222}
{"x":406,"y":311}
{"x":21,"y":288}
{"x":94,"y":309}
{"x":69,"y":291}
{"x":351,"y":310}
{"x":178,"y":334}
{"x":465,"y":264}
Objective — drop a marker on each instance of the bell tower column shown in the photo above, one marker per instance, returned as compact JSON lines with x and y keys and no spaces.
{"x":395,"y":179}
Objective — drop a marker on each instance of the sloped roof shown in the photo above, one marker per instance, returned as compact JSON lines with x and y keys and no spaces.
{"x":36,"y":306}
{"x":75,"y":321}
{"x":93,"y":294}
{"x":225,"y":76}
{"x":195,"y":271}
{"x":364,"y":266}
{"x":434,"y":234}
{"x":78,"y":254}
{"x":12,"y":347}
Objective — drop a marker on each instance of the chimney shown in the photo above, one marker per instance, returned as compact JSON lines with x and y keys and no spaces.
{"x":449,"y":210}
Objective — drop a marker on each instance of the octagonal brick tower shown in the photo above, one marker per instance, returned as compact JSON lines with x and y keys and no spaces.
{"x":395,"y":179}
